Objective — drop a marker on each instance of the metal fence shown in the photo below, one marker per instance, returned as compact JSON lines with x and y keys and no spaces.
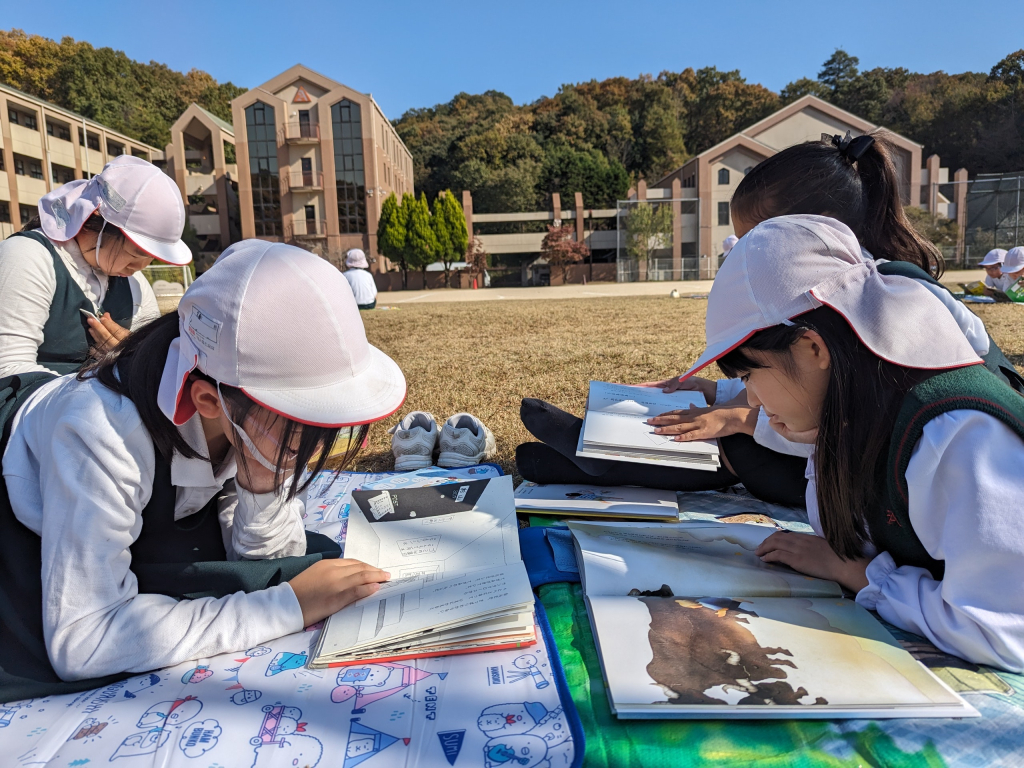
{"x":993,"y":217}
{"x":644,"y":247}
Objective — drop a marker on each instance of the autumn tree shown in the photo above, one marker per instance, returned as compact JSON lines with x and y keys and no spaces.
{"x":476,"y":257}
{"x":561,"y":249}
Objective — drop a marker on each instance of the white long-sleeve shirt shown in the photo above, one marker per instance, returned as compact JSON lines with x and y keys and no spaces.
{"x":964,"y":488}
{"x":79,"y":469}
{"x":27,"y":285}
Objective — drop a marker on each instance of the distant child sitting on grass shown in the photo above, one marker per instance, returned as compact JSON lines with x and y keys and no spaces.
{"x":914,"y":488}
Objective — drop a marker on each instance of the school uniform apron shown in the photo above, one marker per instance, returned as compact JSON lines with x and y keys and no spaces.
{"x":66,"y":337}
{"x":184,"y":559}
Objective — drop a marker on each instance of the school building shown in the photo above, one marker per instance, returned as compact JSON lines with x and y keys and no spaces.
{"x":699,"y":193}
{"x":43,"y":146}
{"x":318,"y":158}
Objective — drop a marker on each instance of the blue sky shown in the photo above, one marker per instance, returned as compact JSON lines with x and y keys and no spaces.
{"x":416,"y":54}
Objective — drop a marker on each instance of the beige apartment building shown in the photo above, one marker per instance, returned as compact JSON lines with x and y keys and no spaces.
{"x":43,"y":146}
{"x":318,"y":159}
{"x":201,"y":160}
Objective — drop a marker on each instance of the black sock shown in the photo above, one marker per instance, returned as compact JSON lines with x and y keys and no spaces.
{"x":559,"y":430}
{"x":540,"y":463}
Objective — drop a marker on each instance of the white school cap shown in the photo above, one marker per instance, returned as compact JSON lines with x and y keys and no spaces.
{"x":728,"y":244}
{"x":281,"y":324}
{"x":355,"y":258}
{"x":1014,"y":261}
{"x":993,"y":257}
{"x":129,"y":193}
{"x":789,"y":265}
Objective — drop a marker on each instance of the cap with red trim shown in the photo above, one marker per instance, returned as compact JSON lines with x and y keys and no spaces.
{"x":789,"y":265}
{"x":129,"y":193}
{"x":282,"y":325}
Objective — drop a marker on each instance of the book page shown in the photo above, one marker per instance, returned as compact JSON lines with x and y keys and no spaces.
{"x":617,"y":417}
{"x":692,"y":560}
{"x":424,"y":603}
{"x":451,"y":528}
{"x":787,"y":657}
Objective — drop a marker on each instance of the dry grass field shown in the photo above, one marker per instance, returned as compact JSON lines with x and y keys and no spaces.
{"x":483,"y":357}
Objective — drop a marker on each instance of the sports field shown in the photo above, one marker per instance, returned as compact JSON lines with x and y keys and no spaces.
{"x":483,"y":357}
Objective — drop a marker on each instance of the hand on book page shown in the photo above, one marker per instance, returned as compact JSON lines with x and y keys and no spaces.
{"x":696,"y":560}
{"x":811,"y":554}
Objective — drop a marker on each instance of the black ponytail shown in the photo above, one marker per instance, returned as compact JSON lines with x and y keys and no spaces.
{"x":852,"y":181}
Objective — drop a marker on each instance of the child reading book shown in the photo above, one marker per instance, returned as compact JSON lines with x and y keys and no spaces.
{"x":152,"y":512}
{"x":851,"y":179}
{"x":1012,"y":267}
{"x":913,"y":492}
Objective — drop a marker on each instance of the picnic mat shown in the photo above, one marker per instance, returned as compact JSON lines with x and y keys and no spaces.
{"x":262,"y":708}
{"x":994,"y":739}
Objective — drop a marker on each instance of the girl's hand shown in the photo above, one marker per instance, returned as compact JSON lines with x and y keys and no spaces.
{"x":328,"y":586}
{"x":813,"y":556}
{"x":694,"y":383}
{"x":106,"y":332}
{"x":706,"y":423}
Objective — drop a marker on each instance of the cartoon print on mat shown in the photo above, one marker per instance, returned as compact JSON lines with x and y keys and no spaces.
{"x":89,"y":729}
{"x":526,"y":666}
{"x":160,"y":719}
{"x":197,"y":675}
{"x":282,"y":739}
{"x":286,"y":660}
{"x":525,"y":734}
{"x":139,"y":684}
{"x":372,"y":682}
{"x":259,"y":650}
{"x":364,"y":743}
{"x":7,"y":714}
{"x":245,"y":696}
{"x":199,"y":738}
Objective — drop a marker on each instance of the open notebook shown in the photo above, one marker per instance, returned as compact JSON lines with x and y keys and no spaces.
{"x":689,"y":623}
{"x":458,"y":580}
{"x":615,"y":427}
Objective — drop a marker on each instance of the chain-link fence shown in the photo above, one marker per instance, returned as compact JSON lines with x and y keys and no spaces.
{"x":647,"y":232}
{"x":993,"y":217}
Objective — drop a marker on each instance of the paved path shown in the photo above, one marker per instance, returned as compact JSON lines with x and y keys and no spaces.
{"x":590,"y":291}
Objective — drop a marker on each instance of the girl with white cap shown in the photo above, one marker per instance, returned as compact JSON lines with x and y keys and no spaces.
{"x":152,"y":505}
{"x":1012,"y":268}
{"x":913,"y":489}
{"x":994,"y":282}
{"x":71,"y":278}
{"x":359,"y":279}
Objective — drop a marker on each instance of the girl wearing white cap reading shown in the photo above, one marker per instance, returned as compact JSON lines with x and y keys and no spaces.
{"x":359,"y":278}
{"x":71,"y":279}
{"x":152,"y":505}
{"x":1012,"y":268}
{"x":913,"y":489}
{"x":995,"y":281}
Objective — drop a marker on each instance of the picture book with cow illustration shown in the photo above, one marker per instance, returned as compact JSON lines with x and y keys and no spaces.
{"x":690,"y":623}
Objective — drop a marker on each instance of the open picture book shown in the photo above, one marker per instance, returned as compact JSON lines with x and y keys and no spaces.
{"x":615,"y":427}
{"x":458,"y":580}
{"x":690,"y":623}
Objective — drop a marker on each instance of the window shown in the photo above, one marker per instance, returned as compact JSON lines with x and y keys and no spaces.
{"x":27,"y":166}
{"x":28,"y":212}
{"x":5,"y":212}
{"x":136,"y":152}
{"x":26,"y":119}
{"x":305,"y":129}
{"x":62,"y":174}
{"x":346,"y":124}
{"x":58,"y":130}
{"x":114,"y":149}
{"x":723,"y":214}
{"x":307,"y":172}
{"x":93,"y":140}
{"x":2,"y":168}
{"x":261,"y":136}
{"x":723,"y":176}
{"x":748,"y":169}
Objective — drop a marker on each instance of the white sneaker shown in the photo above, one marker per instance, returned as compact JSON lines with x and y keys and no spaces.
{"x":413,"y":441}
{"x":465,"y":441}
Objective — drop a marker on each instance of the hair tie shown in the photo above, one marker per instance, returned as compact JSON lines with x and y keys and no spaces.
{"x":850,"y":148}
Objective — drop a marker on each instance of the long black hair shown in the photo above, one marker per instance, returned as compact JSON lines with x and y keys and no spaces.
{"x":862,"y":400}
{"x":134,"y":368}
{"x":818,"y":178}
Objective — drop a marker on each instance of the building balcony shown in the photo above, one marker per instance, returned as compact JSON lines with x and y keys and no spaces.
{"x":300,"y":133}
{"x":302,"y":181}
{"x":305,"y":229}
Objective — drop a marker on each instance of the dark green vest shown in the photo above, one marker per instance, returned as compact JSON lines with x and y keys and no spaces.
{"x":66,"y":337}
{"x":972,"y":388}
{"x":995,"y":360}
{"x":184,"y":559}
